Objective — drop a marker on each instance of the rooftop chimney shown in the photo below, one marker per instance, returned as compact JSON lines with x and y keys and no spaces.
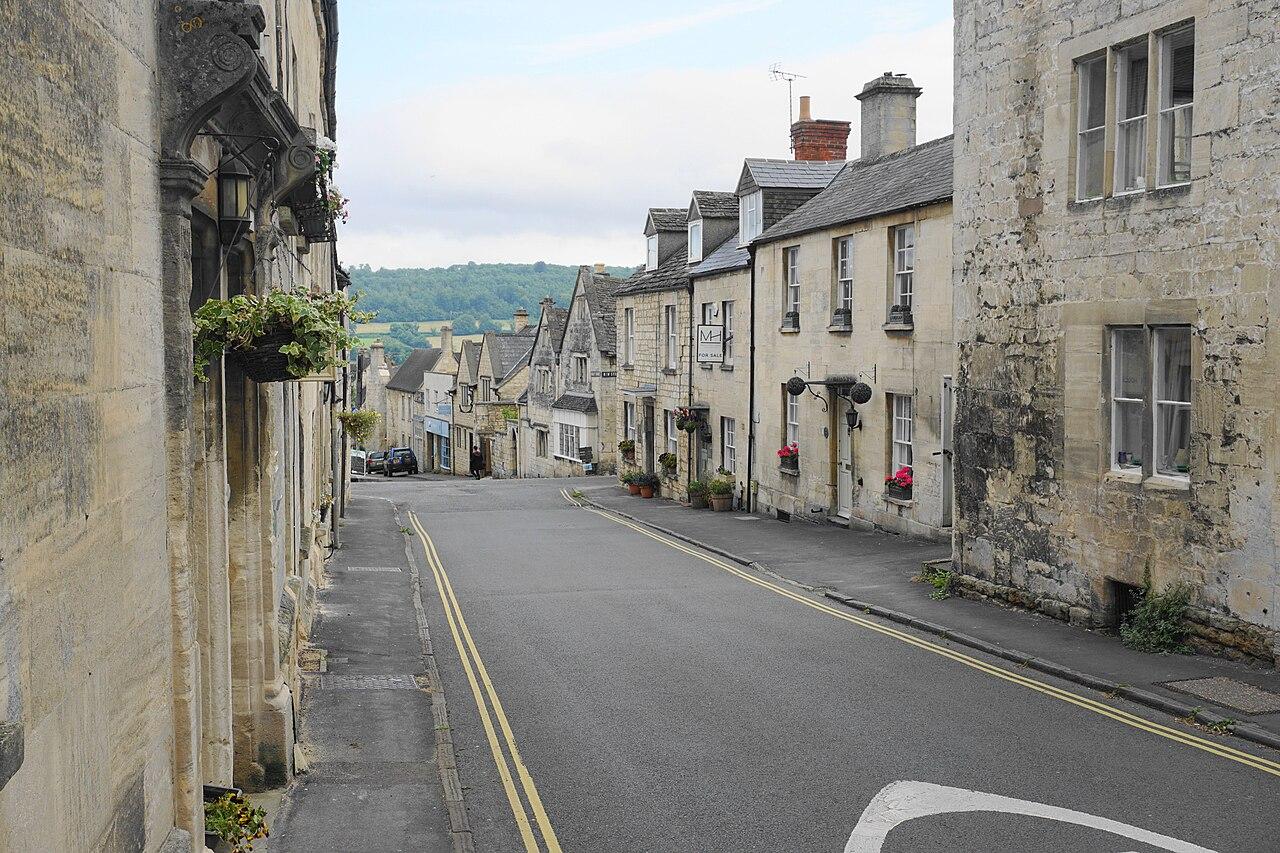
{"x":823,"y":139}
{"x":888,"y":115}
{"x":446,"y":338}
{"x":599,"y":269}
{"x":520,"y":320}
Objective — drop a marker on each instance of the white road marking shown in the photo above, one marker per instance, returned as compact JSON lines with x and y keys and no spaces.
{"x":904,"y":801}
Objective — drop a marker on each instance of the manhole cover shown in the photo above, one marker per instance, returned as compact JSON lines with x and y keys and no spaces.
{"x":363,"y":682}
{"x":1229,"y":692}
{"x":370,"y":569}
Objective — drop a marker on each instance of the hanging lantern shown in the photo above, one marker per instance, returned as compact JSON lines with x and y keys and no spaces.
{"x":233,"y":200}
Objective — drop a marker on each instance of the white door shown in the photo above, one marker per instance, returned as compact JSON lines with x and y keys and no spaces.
{"x":844,"y":462}
{"x":948,"y":404}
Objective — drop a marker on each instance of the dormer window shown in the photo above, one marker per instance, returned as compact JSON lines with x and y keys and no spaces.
{"x":750,"y":218}
{"x":651,"y":261}
{"x":695,"y":241}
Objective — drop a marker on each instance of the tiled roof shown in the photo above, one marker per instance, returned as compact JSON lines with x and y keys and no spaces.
{"x":669,"y":218}
{"x":557,"y":321}
{"x":671,"y":274}
{"x":471,"y":355}
{"x":408,"y":377}
{"x":599,"y":288}
{"x":576,"y":403}
{"x":508,"y":349}
{"x":730,"y":256}
{"x":714,"y":205}
{"x":913,"y":177}
{"x":789,"y":174}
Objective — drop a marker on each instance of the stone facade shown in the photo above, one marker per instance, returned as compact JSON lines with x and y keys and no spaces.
{"x":377,"y":373}
{"x":535,"y":455}
{"x":466,"y":391}
{"x":1050,"y":513}
{"x":725,"y":389}
{"x":157,"y":563}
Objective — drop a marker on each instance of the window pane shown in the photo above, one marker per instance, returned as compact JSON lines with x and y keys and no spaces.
{"x":1173,"y":438}
{"x":1175,"y":145}
{"x":1173,"y":356}
{"x":1134,"y":79}
{"x":1093,"y":94}
{"x":1090,"y":165}
{"x":1127,"y":370}
{"x":1127,"y":435}
{"x":1180,"y":76}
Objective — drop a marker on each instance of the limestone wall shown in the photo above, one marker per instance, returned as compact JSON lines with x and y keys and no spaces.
{"x":1040,"y":278}
{"x":726,"y":388}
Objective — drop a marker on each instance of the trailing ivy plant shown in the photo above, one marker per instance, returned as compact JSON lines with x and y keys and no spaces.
{"x":359,"y":424}
{"x":313,"y":320}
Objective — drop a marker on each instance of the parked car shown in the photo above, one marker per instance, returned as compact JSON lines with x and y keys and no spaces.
{"x":376,"y":463}
{"x":400,"y":459}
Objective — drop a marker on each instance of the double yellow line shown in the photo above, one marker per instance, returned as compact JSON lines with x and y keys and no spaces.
{"x":490,"y":707}
{"x":1186,"y":738}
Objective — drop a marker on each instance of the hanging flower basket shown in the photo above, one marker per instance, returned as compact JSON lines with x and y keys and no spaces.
{"x":263,"y":361}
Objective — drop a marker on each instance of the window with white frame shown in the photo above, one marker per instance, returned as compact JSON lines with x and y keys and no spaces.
{"x":844,"y":274}
{"x":541,"y":439}
{"x":580,"y":370}
{"x":791,"y":273}
{"x":629,"y":336}
{"x":673,"y":341}
{"x":729,"y":445}
{"x":1172,"y":397}
{"x":726,"y":320}
{"x":1177,"y":93}
{"x":1151,"y":364}
{"x":750,"y":217}
{"x":570,"y":441}
{"x":1131,"y":118}
{"x":695,"y":240}
{"x":902,"y":408}
{"x":629,"y":421}
{"x":671,"y":433}
{"x":1128,"y":397}
{"x":651,"y":255}
{"x":792,"y":427}
{"x":1091,"y":106}
{"x":904,"y":264}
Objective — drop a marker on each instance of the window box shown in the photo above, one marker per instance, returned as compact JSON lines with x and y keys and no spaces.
{"x":789,"y":465}
{"x":790,"y":322}
{"x":841,"y":320}
{"x":900,"y":316}
{"x":897,"y":492}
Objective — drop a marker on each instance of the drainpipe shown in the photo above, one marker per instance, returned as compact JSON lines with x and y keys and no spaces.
{"x":692,"y":451}
{"x":751,"y":392}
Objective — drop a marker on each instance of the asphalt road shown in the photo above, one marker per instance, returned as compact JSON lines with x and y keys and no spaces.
{"x":662,"y":702}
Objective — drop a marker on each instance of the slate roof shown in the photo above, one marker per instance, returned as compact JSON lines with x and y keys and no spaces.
{"x":671,"y":274}
{"x":471,"y":355}
{"x":730,"y":256}
{"x":669,"y":218}
{"x":557,"y":322}
{"x":910,"y":178}
{"x":509,"y":349}
{"x":408,"y":377}
{"x":599,"y":290}
{"x":576,"y":403}
{"x":789,"y":174}
{"x":714,"y":205}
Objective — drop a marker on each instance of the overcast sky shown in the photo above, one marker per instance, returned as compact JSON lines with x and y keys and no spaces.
{"x":504,"y":130}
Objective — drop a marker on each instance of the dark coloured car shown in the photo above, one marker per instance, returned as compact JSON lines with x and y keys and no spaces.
{"x":376,"y":463}
{"x":400,"y":459}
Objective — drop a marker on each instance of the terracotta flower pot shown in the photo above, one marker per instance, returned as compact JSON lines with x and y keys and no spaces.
{"x":633,"y":488}
{"x":721,"y":503}
{"x":646,"y":491}
{"x":698,"y":501}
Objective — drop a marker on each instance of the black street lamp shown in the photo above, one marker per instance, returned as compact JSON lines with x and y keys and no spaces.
{"x":233,"y":199}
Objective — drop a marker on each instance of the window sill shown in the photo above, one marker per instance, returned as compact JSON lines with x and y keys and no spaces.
{"x":791,"y":472}
{"x":1166,"y":483}
{"x":705,"y":366}
{"x":840,"y":330}
{"x":789,"y":330}
{"x":1119,"y":476}
{"x":899,"y":327}
{"x":897,"y":501}
{"x":727,"y":367}
{"x":628,"y":367}
{"x":1182,"y":187}
{"x":669,"y":371}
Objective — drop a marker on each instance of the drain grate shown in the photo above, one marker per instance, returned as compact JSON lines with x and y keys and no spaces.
{"x":370,"y":569}
{"x":1229,"y":692}
{"x":363,"y":682}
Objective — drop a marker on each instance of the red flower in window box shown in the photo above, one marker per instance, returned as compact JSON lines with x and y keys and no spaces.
{"x":789,"y":451}
{"x":902,"y":478}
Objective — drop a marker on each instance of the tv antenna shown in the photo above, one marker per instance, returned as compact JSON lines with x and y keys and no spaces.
{"x":776,"y":73}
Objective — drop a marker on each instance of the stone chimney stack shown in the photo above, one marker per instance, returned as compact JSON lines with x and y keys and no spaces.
{"x":446,"y":338}
{"x":377,"y":355}
{"x":599,"y":269}
{"x":823,"y":139}
{"x":888,"y":115}
{"x":520,"y":320}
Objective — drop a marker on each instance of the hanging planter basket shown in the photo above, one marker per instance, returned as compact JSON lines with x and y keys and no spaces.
{"x":263,"y":362}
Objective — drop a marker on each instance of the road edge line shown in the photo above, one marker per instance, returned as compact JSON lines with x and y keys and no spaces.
{"x":1243,"y":731}
{"x":446,"y":756}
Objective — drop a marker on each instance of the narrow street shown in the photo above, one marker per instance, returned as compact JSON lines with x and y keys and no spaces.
{"x":663,"y":699}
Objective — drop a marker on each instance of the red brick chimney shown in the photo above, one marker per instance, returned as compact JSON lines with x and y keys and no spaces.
{"x":818,"y":139}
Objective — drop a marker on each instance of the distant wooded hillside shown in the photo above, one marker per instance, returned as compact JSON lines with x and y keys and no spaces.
{"x":475,"y":297}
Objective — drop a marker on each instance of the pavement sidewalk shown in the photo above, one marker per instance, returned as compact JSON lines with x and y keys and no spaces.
{"x":367,"y":723}
{"x":872,"y":571}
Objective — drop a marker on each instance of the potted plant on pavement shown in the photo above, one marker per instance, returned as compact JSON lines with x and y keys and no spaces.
{"x":720,"y":491}
{"x":629,"y":479}
{"x":668,"y":463}
{"x":697,"y":494}
{"x":648,"y":483}
{"x":232,"y":824}
{"x":898,"y":485}
{"x":628,"y":449}
{"x":789,"y":458}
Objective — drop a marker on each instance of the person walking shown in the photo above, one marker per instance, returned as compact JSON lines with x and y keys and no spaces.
{"x":477,"y":462}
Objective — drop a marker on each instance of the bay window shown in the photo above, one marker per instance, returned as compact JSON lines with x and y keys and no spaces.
{"x":570,"y":441}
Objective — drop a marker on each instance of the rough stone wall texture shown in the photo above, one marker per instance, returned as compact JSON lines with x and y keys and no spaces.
{"x":85,"y":620}
{"x":537,"y":414}
{"x":1041,"y":519}
{"x":891,"y":362}
{"x":727,"y":388}
{"x":580,"y":339}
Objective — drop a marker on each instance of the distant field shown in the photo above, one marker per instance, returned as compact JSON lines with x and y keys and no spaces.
{"x":432,"y":326}
{"x":370,"y":336}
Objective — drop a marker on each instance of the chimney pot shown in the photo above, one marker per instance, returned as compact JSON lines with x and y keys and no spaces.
{"x":888,"y":115}
{"x":520,"y":319}
{"x":446,"y":338}
{"x":804,"y":108}
{"x":599,"y":269}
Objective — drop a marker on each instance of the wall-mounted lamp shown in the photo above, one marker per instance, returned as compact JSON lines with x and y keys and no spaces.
{"x":233,"y":199}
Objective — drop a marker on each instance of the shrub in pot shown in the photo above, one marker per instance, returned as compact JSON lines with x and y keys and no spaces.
{"x":648,"y":483}
{"x":628,"y":449}
{"x":720,"y":493}
{"x":697,"y":494}
{"x":668,"y":462}
{"x":630,"y":480}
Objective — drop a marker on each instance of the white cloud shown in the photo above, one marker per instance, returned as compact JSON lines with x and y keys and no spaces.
{"x":562,"y":168}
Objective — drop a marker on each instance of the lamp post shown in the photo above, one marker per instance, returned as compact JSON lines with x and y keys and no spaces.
{"x":234,"y":214}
